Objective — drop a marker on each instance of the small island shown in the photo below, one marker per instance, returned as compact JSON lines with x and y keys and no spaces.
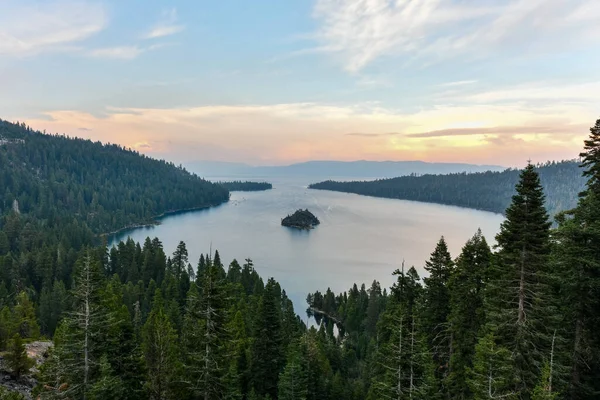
{"x":301,"y":219}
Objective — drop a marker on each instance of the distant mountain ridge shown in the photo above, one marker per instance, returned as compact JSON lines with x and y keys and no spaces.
{"x":326,"y":169}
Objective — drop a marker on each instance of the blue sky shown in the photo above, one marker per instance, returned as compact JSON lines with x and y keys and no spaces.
{"x":275,"y":82}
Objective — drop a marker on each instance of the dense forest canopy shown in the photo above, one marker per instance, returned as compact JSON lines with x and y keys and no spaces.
{"x":246,"y":186}
{"x":488,"y":191}
{"x":517,"y":321}
{"x":55,"y":178}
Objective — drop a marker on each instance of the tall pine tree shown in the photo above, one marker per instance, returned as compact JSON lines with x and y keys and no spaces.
{"x":267,"y":350}
{"x":159,"y":347}
{"x":467,"y":314}
{"x":206,"y":336}
{"x":578,"y":259}
{"x":519,"y":310}
{"x":436,"y":307}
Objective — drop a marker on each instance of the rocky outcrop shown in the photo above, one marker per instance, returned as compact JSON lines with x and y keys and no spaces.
{"x":301,"y":219}
{"x":24,"y":385}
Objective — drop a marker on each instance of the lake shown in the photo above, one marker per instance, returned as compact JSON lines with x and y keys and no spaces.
{"x":359,"y":239}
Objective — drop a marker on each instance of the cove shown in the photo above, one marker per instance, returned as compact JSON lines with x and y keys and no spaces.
{"x":359,"y":239}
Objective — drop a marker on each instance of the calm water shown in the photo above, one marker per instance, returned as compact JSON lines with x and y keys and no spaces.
{"x":359,"y":239}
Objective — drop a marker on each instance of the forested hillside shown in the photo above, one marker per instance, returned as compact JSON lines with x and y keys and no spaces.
{"x":519,"y":321}
{"x":57,"y":179}
{"x":488,"y":191}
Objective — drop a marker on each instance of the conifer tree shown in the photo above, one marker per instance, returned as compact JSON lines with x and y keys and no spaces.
{"x":267,"y":358}
{"x":591,"y":159}
{"x":436,"y":307}
{"x":180,"y":259}
{"x":206,"y":337}
{"x":17,"y":359}
{"x":543,"y":391}
{"x":53,"y":303}
{"x":109,"y":385}
{"x":25,"y":320}
{"x":467,"y":315}
{"x":578,"y":258}
{"x":519,"y":311}
{"x":492,"y":375}
{"x":404,"y":368}
{"x":78,"y":344}
{"x":293,"y":381}
{"x":122,"y":350}
{"x":236,"y":349}
{"x":159,"y":347}
{"x":6,"y":326}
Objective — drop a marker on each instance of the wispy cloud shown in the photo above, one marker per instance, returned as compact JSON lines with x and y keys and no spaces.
{"x":167,"y":26}
{"x":501,"y":130}
{"x":585,"y":92}
{"x":372,"y":135}
{"x":373,"y":81}
{"x":118,"y":52}
{"x":458,"y":83}
{"x":361,"y":31}
{"x":28,"y":27}
{"x":123,"y":52}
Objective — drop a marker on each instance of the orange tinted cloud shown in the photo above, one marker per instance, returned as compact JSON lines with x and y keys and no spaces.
{"x":283,"y":133}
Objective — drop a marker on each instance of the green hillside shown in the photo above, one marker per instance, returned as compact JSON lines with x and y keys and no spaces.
{"x":488,"y":191}
{"x":106,"y":187}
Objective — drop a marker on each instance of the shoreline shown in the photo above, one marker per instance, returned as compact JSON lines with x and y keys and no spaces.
{"x":156,"y":219}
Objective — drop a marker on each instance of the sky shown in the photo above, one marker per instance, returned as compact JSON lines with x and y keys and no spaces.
{"x":270,"y":82}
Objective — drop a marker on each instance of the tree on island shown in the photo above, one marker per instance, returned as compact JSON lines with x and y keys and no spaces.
{"x":301,"y":219}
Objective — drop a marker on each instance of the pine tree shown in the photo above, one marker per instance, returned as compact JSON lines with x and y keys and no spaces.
{"x":180,"y":259}
{"x":520,"y":311}
{"x":6,"y":326}
{"x":293,"y":381}
{"x":122,"y":350}
{"x":109,"y":385}
{"x":318,"y":368}
{"x":467,"y":315}
{"x":437,"y":306}
{"x":17,"y":359}
{"x":374,"y":308}
{"x":591,"y":159}
{"x":206,"y":336}
{"x":543,"y":391}
{"x":236,"y":348}
{"x":267,"y":358}
{"x":578,"y":259}
{"x":24,"y":317}
{"x":403,"y":366}
{"x":53,"y":303}
{"x":159,"y":346}
{"x":492,"y":376}
{"x":78,"y":344}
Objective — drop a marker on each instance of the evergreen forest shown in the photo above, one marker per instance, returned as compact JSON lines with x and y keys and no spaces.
{"x":56,"y":181}
{"x":246,"y":186}
{"x":517,"y":320}
{"x":487,"y":191}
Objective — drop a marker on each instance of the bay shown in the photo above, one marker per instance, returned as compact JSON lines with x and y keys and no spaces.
{"x":360,"y":238}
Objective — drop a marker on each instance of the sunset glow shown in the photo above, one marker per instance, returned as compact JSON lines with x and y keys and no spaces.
{"x":182,"y":84}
